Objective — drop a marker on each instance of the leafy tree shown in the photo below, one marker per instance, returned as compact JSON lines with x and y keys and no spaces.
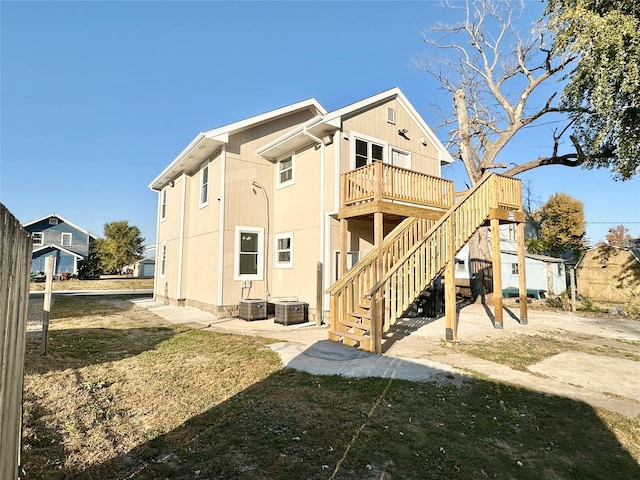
{"x":618,"y":235}
{"x":122,"y":245}
{"x":603,"y":93}
{"x":499,"y":82}
{"x":562,"y":227}
{"x":91,"y":267}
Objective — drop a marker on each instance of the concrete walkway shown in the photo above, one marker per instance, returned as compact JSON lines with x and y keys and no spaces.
{"x":415,"y":351}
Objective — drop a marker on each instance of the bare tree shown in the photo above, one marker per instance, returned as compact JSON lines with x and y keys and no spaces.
{"x":494,"y":77}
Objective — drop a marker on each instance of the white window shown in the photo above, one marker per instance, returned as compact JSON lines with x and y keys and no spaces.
{"x":249,"y":253}
{"x":163,"y":259}
{"x":38,"y":238}
{"x":391,"y":116}
{"x":286,"y":171}
{"x":53,"y":221}
{"x":400,"y":158}
{"x":66,"y":240}
{"x":460,"y":267}
{"x":204,"y":185}
{"x":284,"y":250}
{"x":367,"y":150}
{"x":163,"y":204}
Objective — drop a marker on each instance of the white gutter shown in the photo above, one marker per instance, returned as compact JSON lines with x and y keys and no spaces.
{"x":181,"y":239}
{"x":221,"y":202}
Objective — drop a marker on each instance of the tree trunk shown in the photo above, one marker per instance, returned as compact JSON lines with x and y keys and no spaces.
{"x":480,"y":264}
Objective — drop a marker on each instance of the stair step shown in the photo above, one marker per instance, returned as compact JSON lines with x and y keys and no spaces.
{"x":359,"y":325}
{"x":366,"y":315}
{"x":351,"y":339}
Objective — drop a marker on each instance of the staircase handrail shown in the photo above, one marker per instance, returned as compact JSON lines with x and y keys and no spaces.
{"x":371,"y":257}
{"x":396,"y":266}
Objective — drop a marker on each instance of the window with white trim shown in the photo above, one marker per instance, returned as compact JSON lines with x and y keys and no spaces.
{"x":460,"y":265}
{"x":284,"y":250}
{"x":286,"y":171}
{"x":367,"y":150}
{"x":38,"y":238}
{"x":163,"y":204}
{"x":65,"y":241}
{"x":53,"y":221}
{"x":204,"y":185}
{"x":352,"y":258}
{"x":249,"y":253}
{"x":163,"y":259}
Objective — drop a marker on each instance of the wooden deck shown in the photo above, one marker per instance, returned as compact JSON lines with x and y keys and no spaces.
{"x":383,"y":188}
{"x":375,"y":292}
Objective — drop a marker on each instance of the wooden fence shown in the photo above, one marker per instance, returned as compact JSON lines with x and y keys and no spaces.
{"x":15,"y":269}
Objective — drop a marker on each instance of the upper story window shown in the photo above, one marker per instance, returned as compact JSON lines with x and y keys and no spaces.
{"x":163,"y":204}
{"x":367,"y":150}
{"x":284,"y":250}
{"x":286,"y":171}
{"x":391,"y":116}
{"x":204,"y":185}
{"x":53,"y":221}
{"x":66,"y":239}
{"x":38,"y":238}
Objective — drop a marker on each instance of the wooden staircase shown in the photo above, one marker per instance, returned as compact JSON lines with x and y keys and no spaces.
{"x":378,"y":290}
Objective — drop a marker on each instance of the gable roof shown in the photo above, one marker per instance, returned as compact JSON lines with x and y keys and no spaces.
{"x":329,"y":122}
{"x":64,"y":220}
{"x":206,"y":143}
{"x":57,"y":247}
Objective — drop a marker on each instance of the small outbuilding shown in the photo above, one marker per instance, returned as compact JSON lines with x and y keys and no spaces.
{"x":610,"y":274}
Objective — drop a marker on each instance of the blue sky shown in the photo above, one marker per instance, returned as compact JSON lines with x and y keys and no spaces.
{"x":98,"y":97}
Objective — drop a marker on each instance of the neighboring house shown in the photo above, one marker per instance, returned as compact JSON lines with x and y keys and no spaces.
{"x":545,"y":275}
{"x":145,"y":268}
{"x":610,"y":274}
{"x":55,"y":236}
{"x":255,"y":209}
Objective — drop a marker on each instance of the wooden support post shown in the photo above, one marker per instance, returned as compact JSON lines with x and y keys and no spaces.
{"x":497,"y":272}
{"x":522,"y":273}
{"x":46,"y":308}
{"x":574,"y":292}
{"x":344,"y":246}
{"x":376,"y":320}
{"x":378,"y":238}
{"x":451,"y":332}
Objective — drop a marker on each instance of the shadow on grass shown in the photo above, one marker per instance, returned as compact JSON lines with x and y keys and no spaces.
{"x":295,"y":425}
{"x":81,"y":347}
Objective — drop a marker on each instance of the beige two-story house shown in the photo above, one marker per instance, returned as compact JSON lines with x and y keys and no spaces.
{"x":251,"y":209}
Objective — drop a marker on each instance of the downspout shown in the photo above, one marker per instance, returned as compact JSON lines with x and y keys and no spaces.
{"x":322,"y":209}
{"x":181,"y":238}
{"x":221,"y":202}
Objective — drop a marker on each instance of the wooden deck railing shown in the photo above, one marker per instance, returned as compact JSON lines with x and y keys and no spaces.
{"x":414,"y":254}
{"x":381,"y":181}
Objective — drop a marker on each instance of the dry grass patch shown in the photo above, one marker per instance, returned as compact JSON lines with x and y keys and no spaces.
{"x":123,"y":395}
{"x":101,"y":284}
{"x":522,"y":351}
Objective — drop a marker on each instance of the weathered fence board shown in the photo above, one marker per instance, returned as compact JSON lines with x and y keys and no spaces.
{"x":15,"y":267}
